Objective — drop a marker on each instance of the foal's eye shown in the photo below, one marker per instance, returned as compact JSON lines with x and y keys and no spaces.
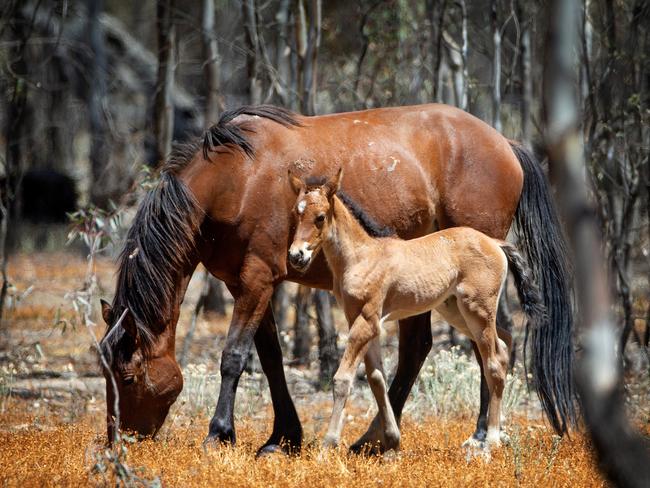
{"x":320,"y":219}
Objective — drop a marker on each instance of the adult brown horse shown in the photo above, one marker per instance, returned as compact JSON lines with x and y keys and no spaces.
{"x":226,"y":202}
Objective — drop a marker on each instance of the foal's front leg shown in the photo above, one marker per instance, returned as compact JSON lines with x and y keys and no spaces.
{"x":362,"y":332}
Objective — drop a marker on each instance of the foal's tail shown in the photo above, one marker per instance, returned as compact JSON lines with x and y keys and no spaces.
{"x":541,"y":240}
{"x":530,"y":297}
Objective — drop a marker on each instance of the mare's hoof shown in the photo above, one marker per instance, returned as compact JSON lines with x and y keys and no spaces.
{"x":271,"y":450}
{"x":214,"y":442}
{"x":362,"y":448}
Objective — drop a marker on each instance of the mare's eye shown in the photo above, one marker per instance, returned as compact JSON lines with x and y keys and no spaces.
{"x":320,"y":219}
{"x":128,"y":380}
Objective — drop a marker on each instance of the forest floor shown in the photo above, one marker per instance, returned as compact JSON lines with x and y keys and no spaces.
{"x":52,"y":410}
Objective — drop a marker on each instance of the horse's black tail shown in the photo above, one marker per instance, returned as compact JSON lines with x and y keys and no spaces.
{"x":530,"y":297}
{"x":541,"y":239}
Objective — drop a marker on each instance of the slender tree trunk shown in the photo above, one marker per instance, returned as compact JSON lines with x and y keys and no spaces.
{"x":328,"y":353}
{"x":526,"y":77}
{"x":164,"y":107}
{"x":249,"y":12}
{"x":282,"y":50}
{"x":464,"y":96}
{"x":214,"y":297}
{"x":496,"y":68}
{"x":302,"y":336}
{"x":281,"y":302}
{"x":211,"y":65}
{"x":14,"y":131}
{"x":308,"y":35}
{"x":99,"y":147}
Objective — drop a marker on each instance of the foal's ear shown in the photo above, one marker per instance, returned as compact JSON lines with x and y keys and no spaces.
{"x":107,"y":312}
{"x":297,"y":184}
{"x":333,"y":185}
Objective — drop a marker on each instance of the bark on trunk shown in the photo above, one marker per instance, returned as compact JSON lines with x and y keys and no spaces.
{"x":328,"y":353}
{"x":302,"y":336}
{"x":623,"y":454}
{"x":164,"y":108}
{"x":249,"y":12}
{"x":496,"y":68}
{"x":100,"y":148}
{"x":211,"y":68}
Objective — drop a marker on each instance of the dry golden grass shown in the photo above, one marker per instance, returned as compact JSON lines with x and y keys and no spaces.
{"x":55,"y":441}
{"x":431,"y":456}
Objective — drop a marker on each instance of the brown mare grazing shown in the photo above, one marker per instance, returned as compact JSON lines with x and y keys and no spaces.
{"x":226,"y":202}
{"x":459,"y":272}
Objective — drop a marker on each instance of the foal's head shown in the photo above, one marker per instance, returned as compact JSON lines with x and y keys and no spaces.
{"x":313,"y":212}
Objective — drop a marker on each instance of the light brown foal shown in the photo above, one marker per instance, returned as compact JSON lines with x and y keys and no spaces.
{"x":459,"y":272}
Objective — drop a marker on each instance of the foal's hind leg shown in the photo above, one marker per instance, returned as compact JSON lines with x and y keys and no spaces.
{"x":480,"y":318}
{"x":362,"y":332}
{"x":377,"y":381}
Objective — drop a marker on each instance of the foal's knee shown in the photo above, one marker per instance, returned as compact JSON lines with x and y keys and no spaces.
{"x":342,"y":386}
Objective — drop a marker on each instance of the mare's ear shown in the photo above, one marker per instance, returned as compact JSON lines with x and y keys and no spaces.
{"x":107,"y":312}
{"x":333,"y":185}
{"x":297,"y":184}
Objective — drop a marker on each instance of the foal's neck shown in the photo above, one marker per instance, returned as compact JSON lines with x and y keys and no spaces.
{"x":346,"y":242}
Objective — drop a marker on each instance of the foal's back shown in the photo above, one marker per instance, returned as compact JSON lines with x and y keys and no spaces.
{"x":426,"y":271}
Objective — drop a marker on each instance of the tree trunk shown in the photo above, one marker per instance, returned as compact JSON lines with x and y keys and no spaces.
{"x":100,"y":149}
{"x":281,"y":302}
{"x":302,"y":336}
{"x":526,"y":80}
{"x":282,"y":50}
{"x":308,"y":36}
{"x":14,"y":132}
{"x":622,"y":454}
{"x":214,"y":300}
{"x":211,"y":69}
{"x":249,"y":13}
{"x":496,"y":68}
{"x":164,"y":108}
{"x":328,"y":353}
{"x":464,"y":95}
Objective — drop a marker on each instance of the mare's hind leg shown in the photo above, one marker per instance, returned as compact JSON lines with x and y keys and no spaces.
{"x":414,"y":344}
{"x":377,"y":381}
{"x":362,"y":332}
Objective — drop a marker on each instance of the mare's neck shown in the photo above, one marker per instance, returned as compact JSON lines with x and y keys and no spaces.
{"x":346,"y":242}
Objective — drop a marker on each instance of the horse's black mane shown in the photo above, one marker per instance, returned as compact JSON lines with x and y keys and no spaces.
{"x":162,"y":238}
{"x":225,"y":133}
{"x":370,"y":225}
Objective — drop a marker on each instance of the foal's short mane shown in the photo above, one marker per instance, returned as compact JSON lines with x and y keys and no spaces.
{"x":162,"y":239}
{"x":370,"y":225}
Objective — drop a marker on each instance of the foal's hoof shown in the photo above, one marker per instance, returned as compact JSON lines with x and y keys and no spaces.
{"x":363,"y":448}
{"x":476,"y":448}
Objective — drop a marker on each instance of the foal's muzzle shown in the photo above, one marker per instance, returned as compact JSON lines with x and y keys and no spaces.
{"x":300,"y":257}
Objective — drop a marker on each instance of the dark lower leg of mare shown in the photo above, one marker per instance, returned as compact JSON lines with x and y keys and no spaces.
{"x":287,"y":431}
{"x":250,"y":307}
{"x":415,"y":342}
{"x":504,"y":320}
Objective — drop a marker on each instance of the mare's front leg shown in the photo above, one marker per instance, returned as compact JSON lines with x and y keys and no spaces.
{"x":252,"y":296}
{"x":414,"y":345}
{"x":362,"y":332}
{"x":287,"y":432}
